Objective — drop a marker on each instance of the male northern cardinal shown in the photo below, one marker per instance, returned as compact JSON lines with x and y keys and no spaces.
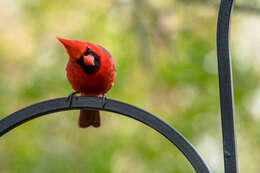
{"x":91,"y":72}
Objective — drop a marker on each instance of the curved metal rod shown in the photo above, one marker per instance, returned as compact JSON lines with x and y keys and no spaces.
{"x":60,"y":104}
{"x":226,"y":86}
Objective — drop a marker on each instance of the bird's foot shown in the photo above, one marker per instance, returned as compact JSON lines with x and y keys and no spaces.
{"x":104,"y":99}
{"x":70,"y":98}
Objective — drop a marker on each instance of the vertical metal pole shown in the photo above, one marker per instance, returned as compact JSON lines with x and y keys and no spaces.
{"x":226,"y":86}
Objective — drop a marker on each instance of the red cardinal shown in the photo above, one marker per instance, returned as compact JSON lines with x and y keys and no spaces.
{"x":91,"y":72}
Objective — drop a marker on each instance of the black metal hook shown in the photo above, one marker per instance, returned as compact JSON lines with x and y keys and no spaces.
{"x":50,"y":106}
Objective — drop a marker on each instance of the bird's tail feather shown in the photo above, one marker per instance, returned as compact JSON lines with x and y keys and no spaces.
{"x":89,"y":118}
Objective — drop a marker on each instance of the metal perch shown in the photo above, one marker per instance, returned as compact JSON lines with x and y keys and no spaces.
{"x":60,"y":104}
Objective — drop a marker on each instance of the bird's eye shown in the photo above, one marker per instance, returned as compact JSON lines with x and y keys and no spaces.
{"x":88,"y":51}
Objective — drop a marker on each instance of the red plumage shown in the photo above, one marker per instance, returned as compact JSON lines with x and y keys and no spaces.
{"x":91,"y":72}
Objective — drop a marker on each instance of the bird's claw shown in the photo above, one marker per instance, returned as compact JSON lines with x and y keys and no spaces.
{"x":70,"y":98}
{"x":104,"y":99}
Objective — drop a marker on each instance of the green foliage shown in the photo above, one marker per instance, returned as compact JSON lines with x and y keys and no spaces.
{"x":166,"y":63}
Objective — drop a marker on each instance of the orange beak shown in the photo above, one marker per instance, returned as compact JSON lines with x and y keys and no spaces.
{"x":89,"y":60}
{"x":74,"y":48}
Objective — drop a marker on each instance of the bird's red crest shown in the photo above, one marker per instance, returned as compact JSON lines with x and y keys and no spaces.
{"x":75,"y":48}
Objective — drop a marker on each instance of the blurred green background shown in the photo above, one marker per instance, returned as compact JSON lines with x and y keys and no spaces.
{"x":165,"y":53}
